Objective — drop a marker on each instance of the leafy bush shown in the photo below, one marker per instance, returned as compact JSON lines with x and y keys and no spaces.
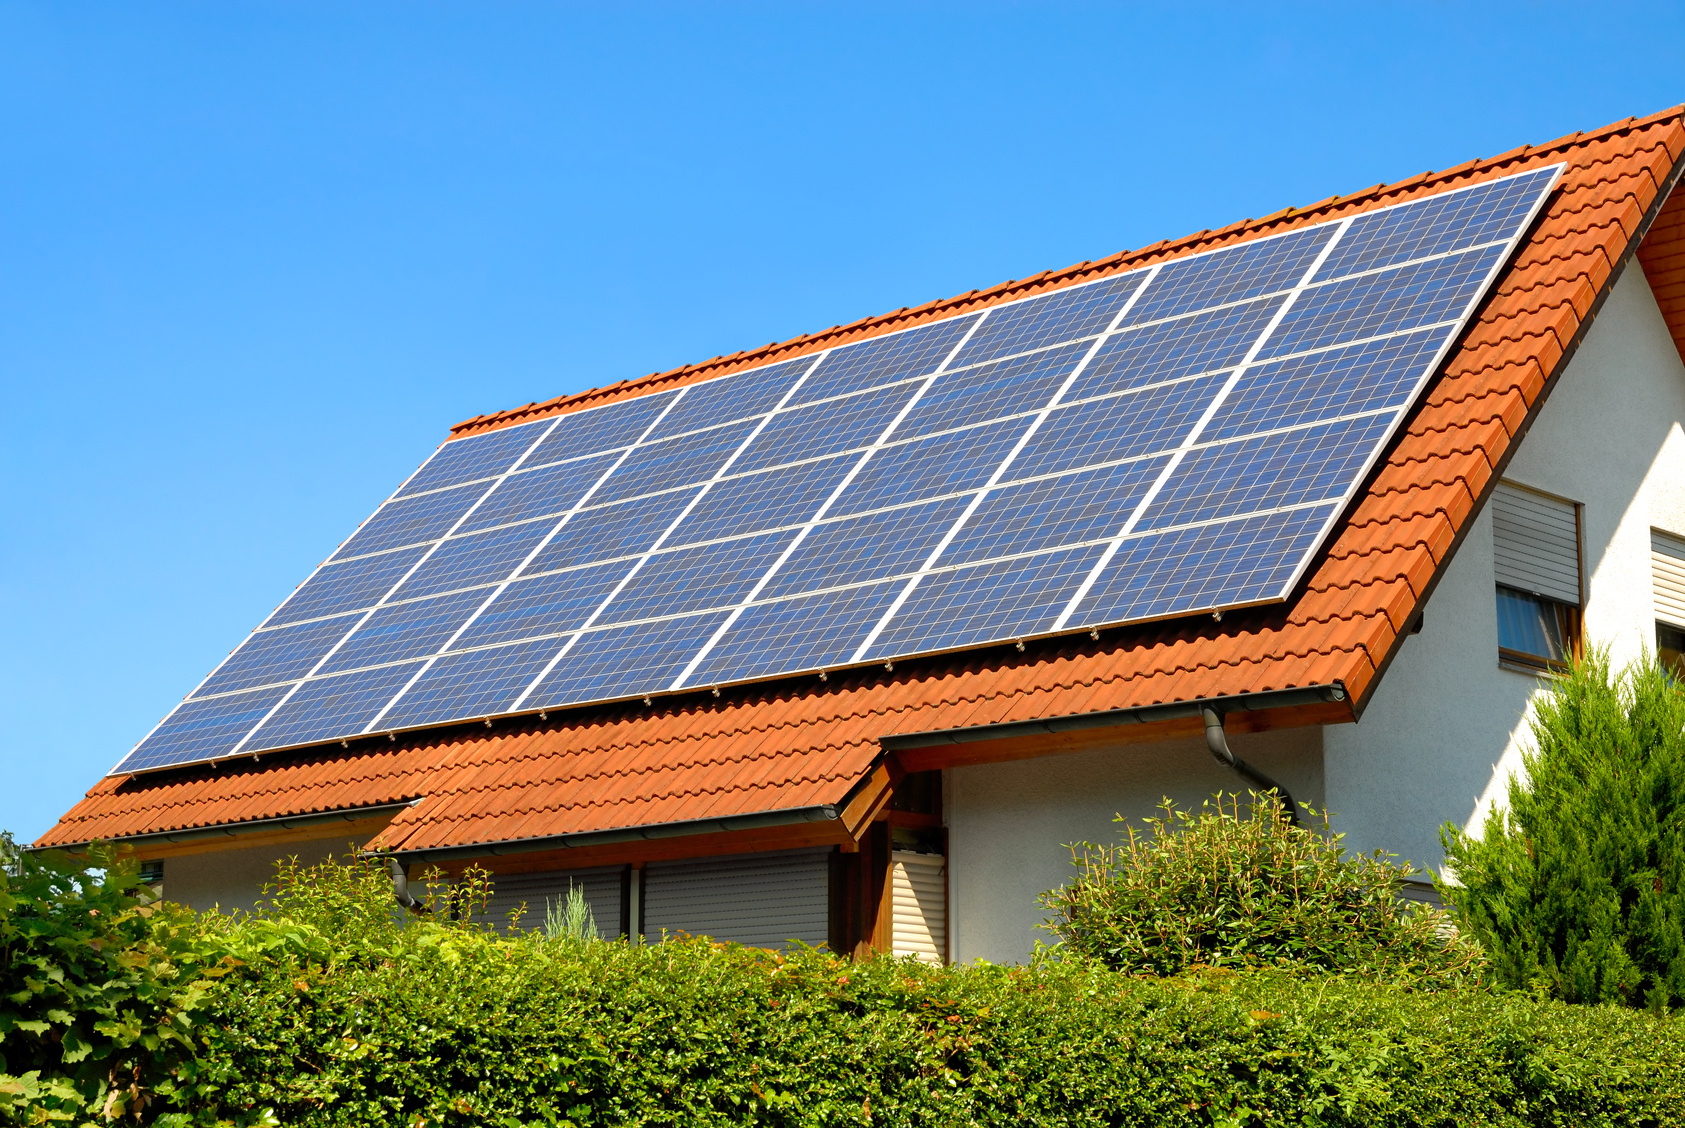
{"x":337,"y":1011}
{"x":1239,"y":886}
{"x":421,"y":1022}
{"x":1578,"y":889}
{"x":97,"y":990}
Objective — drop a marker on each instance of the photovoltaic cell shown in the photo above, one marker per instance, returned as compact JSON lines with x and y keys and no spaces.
{"x":280,"y":655}
{"x":990,"y":391}
{"x":1169,"y":350}
{"x":1072,"y":508}
{"x":768,"y":499}
{"x":333,"y":706}
{"x":1050,"y":319}
{"x":825,"y":428}
{"x":1249,"y":270}
{"x":694,"y":579}
{"x":412,"y":520}
{"x":959,"y":460}
{"x":1290,"y":468}
{"x":405,"y":630}
{"x":738,"y":396}
{"x":861,"y":549}
{"x":546,"y":605}
{"x":883,"y":360}
{"x":1372,"y":304}
{"x":810,"y":632}
{"x":673,"y":462}
{"x":203,"y":729}
{"x":1224,"y":564}
{"x":1135,"y":423}
{"x":475,"y":559}
{"x":612,"y":426}
{"x":624,"y":529}
{"x":529,"y":494}
{"x":625,"y":661}
{"x":351,"y":586}
{"x":483,"y":456}
{"x":1481,"y":214}
{"x":1326,"y":385}
{"x":1246,"y":447}
{"x":986,"y":602}
{"x":476,"y":683}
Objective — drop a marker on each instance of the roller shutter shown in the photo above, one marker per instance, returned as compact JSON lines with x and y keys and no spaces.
{"x":920,"y":905}
{"x":762,"y":900}
{"x":1536,"y":542}
{"x":1667,"y":566}
{"x":538,"y":890}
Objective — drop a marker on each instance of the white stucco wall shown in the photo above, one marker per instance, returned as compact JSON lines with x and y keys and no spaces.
{"x":1009,"y":824}
{"x":234,"y":879}
{"x":1447,"y":725}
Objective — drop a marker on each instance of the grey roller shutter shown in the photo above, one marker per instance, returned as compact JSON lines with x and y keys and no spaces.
{"x":920,"y":905}
{"x":1536,"y":542}
{"x":1667,"y":567}
{"x":762,"y":900}
{"x":539,"y":890}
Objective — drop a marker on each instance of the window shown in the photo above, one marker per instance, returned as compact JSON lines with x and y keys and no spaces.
{"x":1667,"y":568}
{"x":1536,"y":543}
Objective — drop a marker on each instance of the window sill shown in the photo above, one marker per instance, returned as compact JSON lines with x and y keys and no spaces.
{"x":1530,"y":665}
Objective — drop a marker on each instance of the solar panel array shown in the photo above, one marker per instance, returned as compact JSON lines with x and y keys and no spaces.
{"x":1170,"y":440}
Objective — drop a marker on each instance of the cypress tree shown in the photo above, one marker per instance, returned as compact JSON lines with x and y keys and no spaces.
{"x":1577,"y":890}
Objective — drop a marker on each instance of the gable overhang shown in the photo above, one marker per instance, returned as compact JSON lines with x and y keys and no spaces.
{"x":1667,"y":251}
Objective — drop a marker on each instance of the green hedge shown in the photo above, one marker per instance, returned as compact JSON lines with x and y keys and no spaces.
{"x":343,"y":1015}
{"x":328,"y":1009}
{"x":458,"y":1028}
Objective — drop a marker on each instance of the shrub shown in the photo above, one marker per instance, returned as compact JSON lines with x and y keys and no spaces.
{"x":1578,"y":889}
{"x":349,"y":1014}
{"x":440,"y":1024}
{"x":1234,"y":886}
{"x":98,"y":989}
{"x":570,"y":917}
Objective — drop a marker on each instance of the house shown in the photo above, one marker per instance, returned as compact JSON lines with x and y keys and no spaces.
{"x":1530,"y":500}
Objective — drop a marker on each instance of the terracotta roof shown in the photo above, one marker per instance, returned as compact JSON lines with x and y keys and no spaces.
{"x":805,"y":742}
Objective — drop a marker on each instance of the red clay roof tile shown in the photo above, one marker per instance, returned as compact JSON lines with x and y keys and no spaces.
{"x":805,"y":742}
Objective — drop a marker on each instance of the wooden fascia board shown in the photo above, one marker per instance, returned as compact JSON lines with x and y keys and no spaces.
{"x":714,"y":844}
{"x":351,"y":832}
{"x":1088,"y":739}
{"x":872,"y":796}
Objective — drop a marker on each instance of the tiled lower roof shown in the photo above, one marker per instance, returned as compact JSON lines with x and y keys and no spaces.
{"x":806,"y":742}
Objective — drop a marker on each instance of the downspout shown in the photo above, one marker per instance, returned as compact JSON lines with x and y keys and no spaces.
{"x":1217,"y":741}
{"x":401,"y":887}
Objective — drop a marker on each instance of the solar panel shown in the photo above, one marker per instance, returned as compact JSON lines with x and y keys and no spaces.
{"x":1170,"y":440}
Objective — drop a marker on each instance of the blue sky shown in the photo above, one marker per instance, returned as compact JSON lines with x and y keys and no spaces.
{"x":255,"y":259}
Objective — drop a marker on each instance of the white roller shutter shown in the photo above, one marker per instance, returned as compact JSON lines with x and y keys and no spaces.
{"x":1667,"y":566}
{"x":762,"y":900}
{"x":920,"y":905}
{"x":1536,"y":542}
{"x":538,"y":890}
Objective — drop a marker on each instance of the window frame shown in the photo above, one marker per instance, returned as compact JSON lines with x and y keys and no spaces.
{"x":1570,"y":617}
{"x":1676,"y":666}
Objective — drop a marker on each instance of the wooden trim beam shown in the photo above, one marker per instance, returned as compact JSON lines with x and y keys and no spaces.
{"x":720,"y":843}
{"x":935,"y":756}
